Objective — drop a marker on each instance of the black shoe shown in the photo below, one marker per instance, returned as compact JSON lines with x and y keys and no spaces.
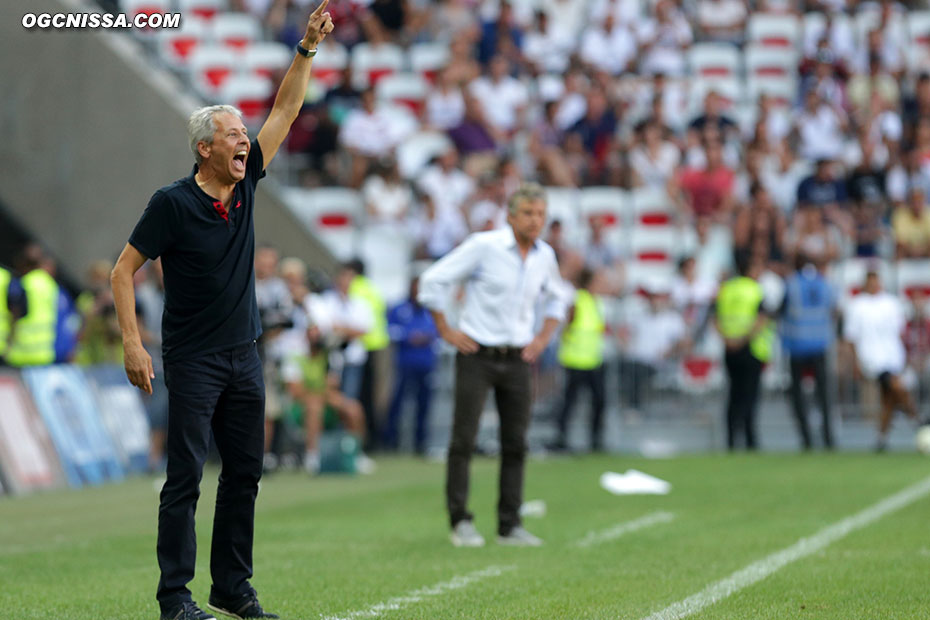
{"x":244,"y":607}
{"x":188,"y":611}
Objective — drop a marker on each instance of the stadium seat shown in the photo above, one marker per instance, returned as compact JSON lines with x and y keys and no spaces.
{"x":913,"y":277}
{"x":330,"y":61}
{"x":773,"y":30}
{"x":204,"y":9}
{"x":770,"y":62}
{"x":562,"y":203}
{"x":236,"y":30}
{"x":869,"y":18}
{"x":333,"y":214}
{"x":210,"y":67}
{"x":731,"y":91}
{"x":711,"y":61}
{"x":370,"y":62}
{"x":919,"y":31}
{"x":428,"y":58}
{"x":409,"y":89}
{"x":387,"y":252}
{"x":655,"y":244}
{"x":146,"y":7}
{"x":177,"y":46}
{"x":652,"y":207}
{"x":251,"y":94}
{"x":416,"y":152}
{"x":700,"y":374}
{"x":612,"y":205}
{"x":263,"y":59}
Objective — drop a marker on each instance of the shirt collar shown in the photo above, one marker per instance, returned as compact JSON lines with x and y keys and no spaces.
{"x":510,"y":240}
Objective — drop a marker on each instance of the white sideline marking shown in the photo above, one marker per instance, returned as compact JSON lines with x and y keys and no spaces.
{"x":596,"y":538}
{"x":761,"y":569}
{"x":399,"y":602}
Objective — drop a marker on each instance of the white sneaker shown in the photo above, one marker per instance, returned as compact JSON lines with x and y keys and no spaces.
{"x":519,"y":537}
{"x":465,"y":535}
{"x":312,"y":462}
{"x":364,"y":464}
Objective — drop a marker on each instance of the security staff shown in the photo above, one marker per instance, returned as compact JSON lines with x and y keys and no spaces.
{"x":33,"y":335}
{"x":13,"y":305}
{"x":581,"y":353}
{"x":806,"y":328}
{"x":375,"y":341}
{"x":747,"y":332}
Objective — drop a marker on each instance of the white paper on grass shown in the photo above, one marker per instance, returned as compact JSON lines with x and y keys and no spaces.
{"x":634,"y":482}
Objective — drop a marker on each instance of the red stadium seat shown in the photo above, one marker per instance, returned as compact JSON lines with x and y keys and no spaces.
{"x":652,"y":207}
{"x":177,"y":46}
{"x":333,"y":214}
{"x":428,"y":58}
{"x":263,"y":59}
{"x":203,"y":9}
{"x":713,"y":61}
{"x":371,"y":63}
{"x":210,"y":67}
{"x":251,"y":94}
{"x":408,"y":89}
{"x":329,"y":63}
{"x":773,"y":30}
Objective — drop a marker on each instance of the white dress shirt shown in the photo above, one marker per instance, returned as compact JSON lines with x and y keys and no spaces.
{"x":331,"y":310}
{"x":502,"y":290}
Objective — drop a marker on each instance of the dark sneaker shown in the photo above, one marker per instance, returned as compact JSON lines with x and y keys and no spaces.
{"x":188,"y":611}
{"x":244,"y":607}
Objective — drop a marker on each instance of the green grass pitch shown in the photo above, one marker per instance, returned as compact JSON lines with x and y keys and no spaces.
{"x":338,"y":547}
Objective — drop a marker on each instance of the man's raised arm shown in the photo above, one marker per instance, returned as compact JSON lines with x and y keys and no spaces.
{"x":290,"y":95}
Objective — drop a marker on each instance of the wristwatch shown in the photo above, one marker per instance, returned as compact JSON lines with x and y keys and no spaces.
{"x":303,"y":51}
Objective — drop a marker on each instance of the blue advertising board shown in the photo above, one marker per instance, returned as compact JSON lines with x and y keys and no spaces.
{"x":66,"y":403}
{"x":123,"y":414}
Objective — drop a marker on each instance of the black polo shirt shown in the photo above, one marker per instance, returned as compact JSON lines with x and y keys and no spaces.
{"x":208,"y":257}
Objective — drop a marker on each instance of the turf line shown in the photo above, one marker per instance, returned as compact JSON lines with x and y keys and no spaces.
{"x":612,"y":533}
{"x":416,"y":596}
{"x":770,"y":564}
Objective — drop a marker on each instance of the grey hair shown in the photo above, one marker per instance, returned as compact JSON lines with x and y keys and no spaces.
{"x":201,"y":126}
{"x":528,"y":192}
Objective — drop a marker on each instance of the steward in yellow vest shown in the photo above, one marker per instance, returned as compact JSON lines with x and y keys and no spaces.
{"x":33,"y":335}
{"x":748,"y":334}
{"x":581,"y":353}
{"x":6,"y":315}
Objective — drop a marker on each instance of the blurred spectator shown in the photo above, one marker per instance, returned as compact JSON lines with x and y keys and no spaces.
{"x":823,"y":191}
{"x":663,"y":40}
{"x":917,"y":341}
{"x":570,"y":260}
{"x":475,"y":137}
{"x":581,"y":354}
{"x":101,"y":340}
{"x":812,"y":236}
{"x":599,"y":253}
{"x":347,"y":319}
{"x":546,"y":148}
{"x":911,"y":225}
{"x":916,"y":108}
{"x":543,"y":49}
{"x":436,"y":231}
{"x":343,"y":98}
{"x":416,"y":340}
{"x":806,"y":329}
{"x":503,"y":98}
{"x":705,"y":193}
{"x":744,"y":325}
{"x":500,"y":34}
{"x":595,"y":132}
{"x":654,"y":160}
{"x":32,"y":341}
{"x":624,"y":12}
{"x":834,"y":36}
{"x":445,"y":106}
{"x":388,"y":198}
{"x":486,"y":208}
{"x":872,"y":91}
{"x":609,"y":47}
{"x":368,"y":133}
{"x":713,"y":250}
{"x":824,"y":81}
{"x":759,"y":231}
{"x":713,"y":115}
{"x":866,"y":189}
{"x":692,"y":295}
{"x":722,"y":20}
{"x":651,"y":340}
{"x":573,"y":103}
{"x":888,"y":49}
{"x":67,"y":320}
{"x":819,"y":127}
{"x":874,"y":323}
{"x":447,"y":185}
{"x":905,"y":174}
{"x":13,"y":305}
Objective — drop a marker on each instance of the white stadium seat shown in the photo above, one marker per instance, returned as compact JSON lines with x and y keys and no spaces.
{"x":236,"y":30}
{"x":655,"y":244}
{"x":418,"y":149}
{"x":330,"y":61}
{"x":370,"y":62}
{"x":712,"y":61}
{"x":773,"y":30}
{"x":562,"y":203}
{"x":177,"y":45}
{"x":203,"y":9}
{"x":408,"y":89}
{"x":612,"y":206}
{"x":913,"y":277}
{"x":652,"y":207}
{"x":251,"y":94}
{"x":263,"y":59}
{"x":428,"y":58}
{"x":332,"y":214}
{"x":770,"y":62}
{"x":210,"y":67}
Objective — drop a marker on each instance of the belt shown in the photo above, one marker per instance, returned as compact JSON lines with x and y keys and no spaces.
{"x":500,"y":352}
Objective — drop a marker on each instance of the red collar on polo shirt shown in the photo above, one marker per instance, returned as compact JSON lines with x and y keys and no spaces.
{"x":218,"y":205}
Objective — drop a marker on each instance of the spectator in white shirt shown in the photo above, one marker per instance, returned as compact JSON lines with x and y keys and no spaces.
{"x":502,"y":96}
{"x":874,"y":323}
{"x":820,"y":128}
{"x":545,"y":49}
{"x":388,"y":198}
{"x":508,"y":275}
{"x":435,"y":231}
{"x":368,"y":133}
{"x":445,"y":106}
{"x":663,"y":41}
{"x":609,"y":47}
{"x":446,"y":183}
{"x":654,"y":160}
{"x":625,"y":12}
{"x":574,"y":101}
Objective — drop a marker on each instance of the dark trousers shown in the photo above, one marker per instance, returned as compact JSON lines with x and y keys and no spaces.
{"x":418,"y":381}
{"x":744,"y":371}
{"x":510,"y":378}
{"x":223,"y":392}
{"x":593,"y":380}
{"x":817,"y":364}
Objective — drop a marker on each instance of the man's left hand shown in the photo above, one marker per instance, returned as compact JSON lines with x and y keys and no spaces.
{"x":533,"y":350}
{"x":319,"y":25}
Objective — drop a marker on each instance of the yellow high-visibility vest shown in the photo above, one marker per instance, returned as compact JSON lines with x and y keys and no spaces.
{"x":737,"y":309}
{"x":582,"y":346}
{"x":377,"y":338}
{"x":33,"y":342}
{"x":6,"y":317}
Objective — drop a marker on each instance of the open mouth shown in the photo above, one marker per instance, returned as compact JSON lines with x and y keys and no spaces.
{"x":239,"y":160}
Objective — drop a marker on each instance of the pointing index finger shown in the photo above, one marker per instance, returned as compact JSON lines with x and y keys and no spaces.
{"x":319,"y":10}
